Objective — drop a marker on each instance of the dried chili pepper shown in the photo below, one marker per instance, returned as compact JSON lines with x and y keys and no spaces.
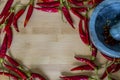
{"x":37,"y":76}
{"x":49,"y":4}
{"x":83,"y":67}
{"x":9,"y":75}
{"x":117,"y":68}
{"x":75,"y":11}
{"x":12,"y":61}
{"x":29,"y":12}
{"x":77,"y":77}
{"x":76,"y":2}
{"x":94,"y":51}
{"x":17,"y":71}
{"x":108,"y":70}
{"x":67,"y":16}
{"x":6,"y":8}
{"x":9,"y":21}
{"x":82,"y":33}
{"x":45,"y":0}
{"x":111,"y":59}
{"x":87,"y":61}
{"x":51,"y":10}
{"x":3,"y":48}
{"x":16,"y":17}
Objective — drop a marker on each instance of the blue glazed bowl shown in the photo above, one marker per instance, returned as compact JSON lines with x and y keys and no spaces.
{"x":107,"y":11}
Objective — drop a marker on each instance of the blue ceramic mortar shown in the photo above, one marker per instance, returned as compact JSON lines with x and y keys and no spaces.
{"x":106,"y":12}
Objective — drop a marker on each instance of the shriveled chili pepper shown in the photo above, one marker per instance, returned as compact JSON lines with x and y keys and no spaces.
{"x":108,"y":70}
{"x":77,"y":77}
{"x":83,"y":67}
{"x":67,"y":16}
{"x":76,"y":2}
{"x":17,"y":71}
{"x":49,"y":4}
{"x":10,"y":36}
{"x":9,"y":75}
{"x":29,"y":12}
{"x":3,"y":48}
{"x":87,"y":61}
{"x":82,"y":33}
{"x":94,"y":51}
{"x":110,"y":58}
{"x":117,"y":68}
{"x":75,"y":11}
{"x":37,"y":76}
{"x":51,"y":10}
{"x":12,"y":61}
{"x":9,"y":21}
{"x":6,"y":8}
{"x":16,"y":17}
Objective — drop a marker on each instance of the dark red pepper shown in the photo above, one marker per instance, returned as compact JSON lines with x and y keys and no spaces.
{"x":67,"y":16}
{"x":94,"y":51}
{"x":29,"y":13}
{"x":83,"y":67}
{"x":49,"y":4}
{"x":3,"y":48}
{"x":37,"y":76}
{"x":6,"y":8}
{"x":77,"y":77}
{"x":16,"y":17}
{"x":117,"y":68}
{"x":87,"y":61}
{"x":76,"y":2}
{"x":51,"y":10}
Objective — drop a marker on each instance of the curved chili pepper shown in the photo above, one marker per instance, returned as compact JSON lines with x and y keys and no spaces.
{"x":82,"y":33}
{"x":12,"y":61}
{"x":37,"y":76}
{"x":9,"y":21}
{"x":110,"y":58}
{"x":94,"y":52}
{"x":108,"y":70}
{"x":10,"y":36}
{"x":51,"y":10}
{"x":117,"y":68}
{"x":75,"y":11}
{"x":49,"y":4}
{"x":6,"y":8}
{"x":76,"y":2}
{"x":77,"y":77}
{"x":83,"y":67}
{"x":29,"y":13}
{"x":67,"y":16}
{"x":17,"y":71}
{"x":90,"y":63}
{"x":9,"y":75}
{"x":16,"y":17}
{"x":3,"y":48}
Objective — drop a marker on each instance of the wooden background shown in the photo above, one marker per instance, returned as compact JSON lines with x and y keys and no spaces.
{"x":48,"y":45}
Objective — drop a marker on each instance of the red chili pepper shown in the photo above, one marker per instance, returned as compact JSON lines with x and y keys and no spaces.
{"x":117,"y":68}
{"x":37,"y":76}
{"x":17,"y":71}
{"x":6,"y":8}
{"x":83,"y":67}
{"x":67,"y":16}
{"x":108,"y":70}
{"x":49,"y":4}
{"x":75,"y":11}
{"x":76,"y":2}
{"x":16,"y":17}
{"x":9,"y":21}
{"x":82,"y":9}
{"x":10,"y":36}
{"x":3,"y":48}
{"x":5,"y":17}
{"x":29,"y":13}
{"x":9,"y":75}
{"x":82,"y":33}
{"x":51,"y":10}
{"x":110,"y":58}
{"x":45,"y":0}
{"x":94,"y":52}
{"x":77,"y":77}
{"x":88,"y":62}
{"x":12,"y":61}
